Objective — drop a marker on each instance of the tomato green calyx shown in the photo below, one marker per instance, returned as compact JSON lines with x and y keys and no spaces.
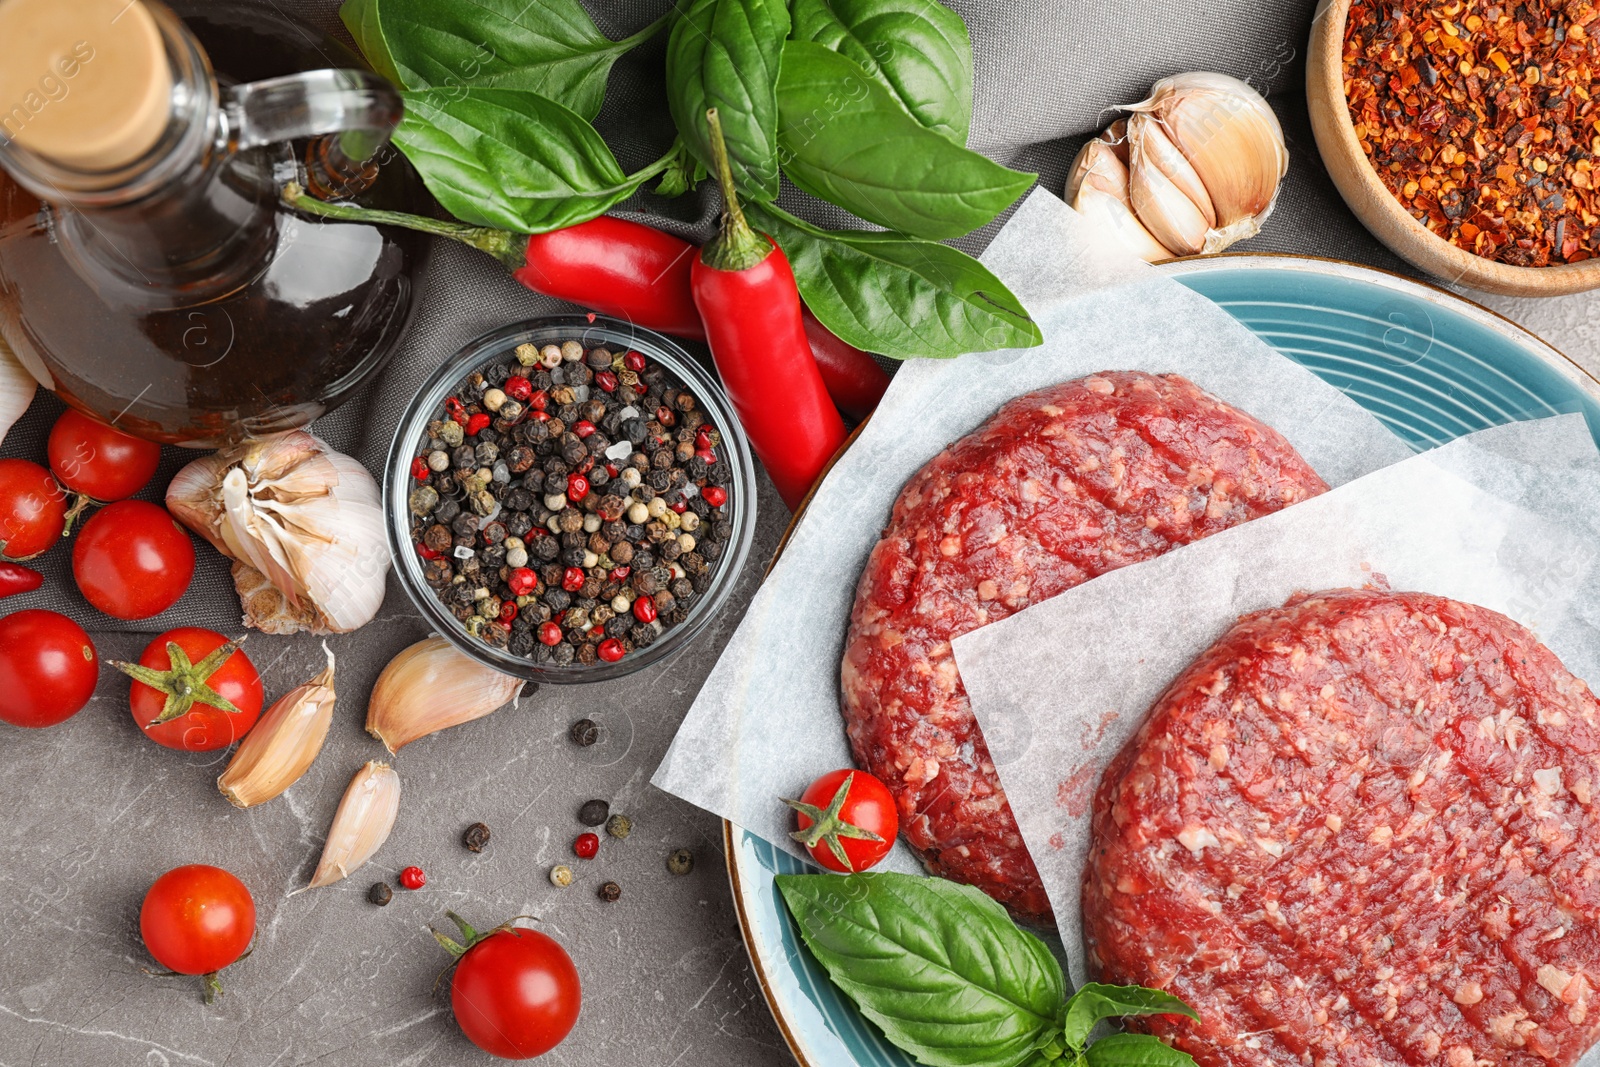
{"x":469,"y":935}
{"x":509,"y":248}
{"x":210,"y":984}
{"x":829,"y":826}
{"x":737,"y":247}
{"x":184,"y":683}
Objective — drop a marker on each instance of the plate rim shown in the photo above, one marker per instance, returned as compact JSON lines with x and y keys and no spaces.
{"x":1568,"y":367}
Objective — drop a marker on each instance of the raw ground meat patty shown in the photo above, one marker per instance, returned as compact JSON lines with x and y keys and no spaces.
{"x":1059,"y":486}
{"x":1359,"y":830}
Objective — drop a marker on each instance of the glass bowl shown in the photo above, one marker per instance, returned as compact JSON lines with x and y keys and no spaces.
{"x":590,"y":331}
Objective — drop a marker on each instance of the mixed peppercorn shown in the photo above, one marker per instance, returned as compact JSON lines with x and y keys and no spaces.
{"x":570,"y":505}
{"x":1479,"y":117}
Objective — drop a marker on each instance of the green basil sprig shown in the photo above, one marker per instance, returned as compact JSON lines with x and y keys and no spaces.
{"x":725,"y":54}
{"x":919,"y":50}
{"x":551,"y":47}
{"x":847,"y":139}
{"x":897,"y":295}
{"x":952,"y":981}
{"x":512,"y":159}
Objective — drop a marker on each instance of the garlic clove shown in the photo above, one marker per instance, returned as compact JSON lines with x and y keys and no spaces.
{"x":17,"y":387}
{"x":1230,"y":135}
{"x":305,"y":518}
{"x":1146,"y":137}
{"x":281,"y":747}
{"x":1164,"y":209}
{"x":361,"y":825}
{"x":1112,"y":217}
{"x":1098,"y":167}
{"x":430,"y":686}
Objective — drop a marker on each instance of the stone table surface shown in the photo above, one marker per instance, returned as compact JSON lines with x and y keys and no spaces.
{"x":91,"y":813}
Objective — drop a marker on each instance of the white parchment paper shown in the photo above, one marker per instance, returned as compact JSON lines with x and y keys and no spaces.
{"x":767,"y":720}
{"x":1508,"y":518}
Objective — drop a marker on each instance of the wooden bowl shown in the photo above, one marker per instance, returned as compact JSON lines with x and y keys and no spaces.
{"x":1380,"y":211}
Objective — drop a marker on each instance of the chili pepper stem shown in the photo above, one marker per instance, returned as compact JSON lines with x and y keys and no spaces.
{"x":737,"y":247}
{"x":503,"y":245}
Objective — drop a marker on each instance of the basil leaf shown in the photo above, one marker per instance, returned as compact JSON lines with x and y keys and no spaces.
{"x":940,"y":967}
{"x":1095,"y":1001}
{"x":845,"y":138}
{"x":918,"y":49}
{"x":884,"y":292}
{"x":1135,"y":1050}
{"x":725,"y":54}
{"x":511,"y":159}
{"x":551,"y":47}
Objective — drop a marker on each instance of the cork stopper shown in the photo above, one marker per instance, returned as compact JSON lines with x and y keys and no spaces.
{"x":85,"y":83}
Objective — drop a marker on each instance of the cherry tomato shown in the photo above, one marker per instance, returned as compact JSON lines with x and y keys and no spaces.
{"x":99,"y":461}
{"x":197,"y":919}
{"x":132,"y":560}
{"x":206,"y":696}
{"x":847,"y":819}
{"x":516,"y":994}
{"x":33,"y":509}
{"x":48,"y":668}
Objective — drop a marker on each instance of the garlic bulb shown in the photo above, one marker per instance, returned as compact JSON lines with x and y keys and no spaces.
{"x":283,"y":744}
{"x":16,"y":388}
{"x":430,"y":686}
{"x":305,"y":518}
{"x":361,"y":825}
{"x":1204,"y":156}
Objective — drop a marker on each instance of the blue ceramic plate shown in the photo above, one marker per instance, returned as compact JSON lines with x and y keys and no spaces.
{"x":1430,"y":365}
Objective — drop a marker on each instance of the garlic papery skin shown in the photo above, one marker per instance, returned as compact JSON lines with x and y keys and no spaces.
{"x":430,"y":686}
{"x":1156,"y":149}
{"x":361,"y":825}
{"x":281,"y":747}
{"x":1229,"y":134}
{"x":306,"y":518}
{"x":17,"y":387}
{"x":1166,"y":210}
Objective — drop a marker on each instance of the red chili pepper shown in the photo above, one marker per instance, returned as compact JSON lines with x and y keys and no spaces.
{"x":746,"y":293}
{"x":854,"y":379}
{"x":15,"y":578}
{"x":477,"y":424}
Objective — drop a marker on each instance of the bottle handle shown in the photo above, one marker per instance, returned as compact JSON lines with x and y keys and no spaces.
{"x":362,"y":107}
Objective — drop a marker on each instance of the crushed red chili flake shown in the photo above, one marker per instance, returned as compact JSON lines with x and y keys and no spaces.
{"x":1479,"y":117}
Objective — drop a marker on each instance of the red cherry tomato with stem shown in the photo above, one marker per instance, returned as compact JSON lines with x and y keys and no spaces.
{"x":193,"y":690}
{"x":98,"y":462}
{"x":33,"y":509}
{"x":515,"y":993}
{"x":197,"y":919}
{"x":847,"y":820}
{"x":132,"y":560}
{"x":48,"y":668}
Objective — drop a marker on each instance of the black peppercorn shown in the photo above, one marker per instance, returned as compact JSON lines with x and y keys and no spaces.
{"x":594,"y":812}
{"x":610,"y":892}
{"x":563,"y":654}
{"x":476,"y":837}
{"x":380,"y":893}
{"x":680,"y":861}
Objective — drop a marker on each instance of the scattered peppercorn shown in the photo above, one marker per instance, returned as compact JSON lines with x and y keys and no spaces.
{"x":680,"y":861}
{"x":619,"y":826}
{"x":610,"y":892}
{"x":594,"y":812}
{"x":380,"y":894}
{"x":584,"y":733}
{"x":561,"y":875}
{"x":476,"y":837}
{"x":586,"y":846}
{"x":413,"y":878}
